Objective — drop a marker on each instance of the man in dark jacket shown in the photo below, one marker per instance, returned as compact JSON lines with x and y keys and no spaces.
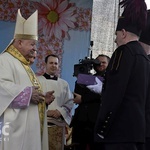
{"x":86,"y":113}
{"x":145,"y":42}
{"x":121,"y":120}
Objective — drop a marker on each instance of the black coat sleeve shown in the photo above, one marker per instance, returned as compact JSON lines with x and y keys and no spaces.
{"x":117,"y":78}
{"x":87,"y":96}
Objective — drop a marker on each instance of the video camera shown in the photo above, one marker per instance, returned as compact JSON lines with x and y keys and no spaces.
{"x":85,"y":66}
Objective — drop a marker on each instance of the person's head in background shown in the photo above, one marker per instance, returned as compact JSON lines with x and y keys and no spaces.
{"x":32,"y":59}
{"x":145,"y":35}
{"x":101,"y":68}
{"x":52,"y":64}
{"x":131,"y":22}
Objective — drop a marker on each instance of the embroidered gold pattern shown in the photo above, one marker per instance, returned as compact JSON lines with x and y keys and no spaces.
{"x":25,"y":36}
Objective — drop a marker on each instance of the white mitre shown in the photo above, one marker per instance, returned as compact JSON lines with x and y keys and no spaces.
{"x":26,"y":29}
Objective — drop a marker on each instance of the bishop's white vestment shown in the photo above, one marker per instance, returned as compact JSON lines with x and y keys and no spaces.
{"x":22,"y":124}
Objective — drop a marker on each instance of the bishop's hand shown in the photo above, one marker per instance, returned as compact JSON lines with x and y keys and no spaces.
{"x":37,"y":97}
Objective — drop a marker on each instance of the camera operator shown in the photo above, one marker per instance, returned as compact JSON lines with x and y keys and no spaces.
{"x":100,"y":69}
{"x":86,"y":113}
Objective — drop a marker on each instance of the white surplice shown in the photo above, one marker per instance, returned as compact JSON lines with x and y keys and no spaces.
{"x":24,"y":124}
{"x":63,"y":101}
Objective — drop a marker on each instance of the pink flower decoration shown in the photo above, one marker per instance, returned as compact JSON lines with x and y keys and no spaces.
{"x":56,"y":18}
{"x":84,"y":19}
{"x":9,"y":9}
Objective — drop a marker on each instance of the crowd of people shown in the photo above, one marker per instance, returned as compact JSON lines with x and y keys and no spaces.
{"x":113,"y":111}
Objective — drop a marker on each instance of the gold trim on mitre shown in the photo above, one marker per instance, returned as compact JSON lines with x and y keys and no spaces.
{"x":25,"y":37}
{"x":26,"y":29}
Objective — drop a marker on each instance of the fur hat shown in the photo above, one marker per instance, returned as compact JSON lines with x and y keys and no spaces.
{"x":145,"y":35}
{"x":134,"y":16}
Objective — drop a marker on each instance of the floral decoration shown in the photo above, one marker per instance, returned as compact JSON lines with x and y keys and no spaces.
{"x":9,"y":8}
{"x":56,"y":18}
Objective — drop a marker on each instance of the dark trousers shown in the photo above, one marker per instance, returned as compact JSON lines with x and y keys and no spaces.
{"x":83,"y":136}
{"x":119,"y":146}
{"x":147,"y":144}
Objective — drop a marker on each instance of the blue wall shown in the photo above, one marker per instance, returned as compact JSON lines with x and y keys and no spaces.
{"x":6,"y":33}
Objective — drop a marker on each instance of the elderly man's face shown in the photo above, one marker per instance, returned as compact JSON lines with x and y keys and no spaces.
{"x":118,"y":39}
{"x":32,"y":59}
{"x":121,"y":37}
{"x":27,"y":48}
